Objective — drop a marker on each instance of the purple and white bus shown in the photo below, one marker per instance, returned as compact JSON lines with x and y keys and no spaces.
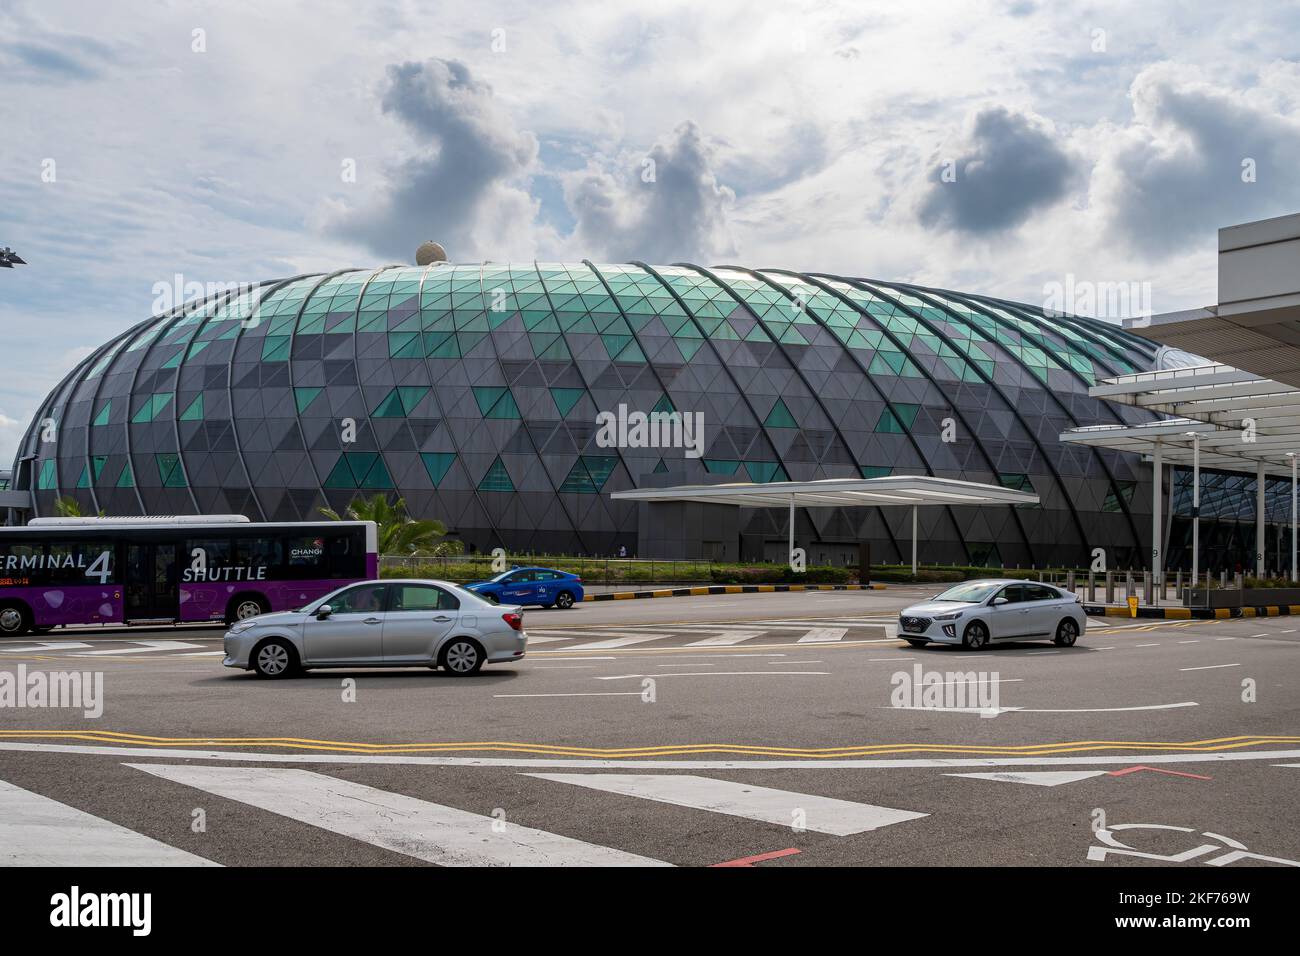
{"x":188,"y":568}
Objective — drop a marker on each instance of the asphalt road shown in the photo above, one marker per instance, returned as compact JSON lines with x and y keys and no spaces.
{"x":691,"y":731}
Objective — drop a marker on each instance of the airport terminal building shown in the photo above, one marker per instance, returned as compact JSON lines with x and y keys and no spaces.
{"x":477,"y":393}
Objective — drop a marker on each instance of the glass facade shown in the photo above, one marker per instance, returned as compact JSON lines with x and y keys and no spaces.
{"x":473,"y":392}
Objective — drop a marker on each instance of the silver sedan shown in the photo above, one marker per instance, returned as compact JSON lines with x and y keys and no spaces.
{"x":975,"y":614}
{"x":388,"y":623}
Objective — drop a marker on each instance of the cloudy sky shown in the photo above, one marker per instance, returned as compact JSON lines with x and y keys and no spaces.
{"x":993,"y":146}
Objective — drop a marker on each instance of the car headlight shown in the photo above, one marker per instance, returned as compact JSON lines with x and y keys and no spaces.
{"x":948,"y":617}
{"x":243,"y":626}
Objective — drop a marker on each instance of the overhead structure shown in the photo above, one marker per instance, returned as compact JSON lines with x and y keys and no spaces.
{"x":1220,"y":417}
{"x":909,"y":490}
{"x":1255,"y":325}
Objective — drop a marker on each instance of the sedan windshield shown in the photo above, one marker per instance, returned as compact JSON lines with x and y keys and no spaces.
{"x":971,"y":592}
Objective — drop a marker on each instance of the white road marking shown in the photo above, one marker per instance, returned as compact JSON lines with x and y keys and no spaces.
{"x":38,"y":831}
{"x":820,"y":814}
{"x":615,"y":640}
{"x":1208,"y":667}
{"x":823,"y":635}
{"x":1040,"y":778}
{"x":202,"y":654}
{"x":997,"y":711}
{"x":720,"y":674}
{"x":981,"y":680}
{"x":393,"y":821}
{"x":1189,"y":642}
{"x":148,"y":647}
{"x":536,"y":637}
{"x":622,"y":693}
{"x":726,"y":637}
{"x":47,"y":646}
{"x":1146,"y":645}
{"x":665,"y":763}
{"x":1233,"y":638}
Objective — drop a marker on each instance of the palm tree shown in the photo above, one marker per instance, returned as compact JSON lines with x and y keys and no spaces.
{"x":399,"y":533}
{"x":69,"y":507}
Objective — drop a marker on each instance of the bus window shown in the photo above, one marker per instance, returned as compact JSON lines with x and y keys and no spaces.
{"x":204,"y":558}
{"x":78,"y":562}
{"x":305,"y":558}
{"x":347,"y":557}
{"x":18,"y":562}
{"x":254,"y":553}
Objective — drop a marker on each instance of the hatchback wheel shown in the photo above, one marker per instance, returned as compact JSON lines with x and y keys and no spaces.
{"x":564,"y":600}
{"x":1067,"y":633}
{"x":274,"y":659}
{"x":975,"y":637}
{"x":462,"y":657}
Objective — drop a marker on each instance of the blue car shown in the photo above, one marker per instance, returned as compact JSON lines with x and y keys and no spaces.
{"x":542,"y":586}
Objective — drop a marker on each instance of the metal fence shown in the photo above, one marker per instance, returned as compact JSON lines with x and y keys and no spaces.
{"x":593,"y":571}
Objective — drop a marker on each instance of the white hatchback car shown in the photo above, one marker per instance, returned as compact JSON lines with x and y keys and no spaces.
{"x":386,"y":623}
{"x":975,"y":614}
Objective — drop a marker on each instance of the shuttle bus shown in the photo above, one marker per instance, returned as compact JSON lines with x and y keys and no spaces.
{"x":189,"y":568}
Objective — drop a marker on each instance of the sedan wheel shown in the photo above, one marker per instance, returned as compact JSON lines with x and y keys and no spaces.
{"x":462,"y":657}
{"x":564,"y":600}
{"x":273,"y":659}
{"x":1067,"y":633}
{"x":976,"y":637}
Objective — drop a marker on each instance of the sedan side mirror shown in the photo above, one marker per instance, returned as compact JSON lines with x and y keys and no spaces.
{"x":999,"y":601}
{"x":323,"y":612}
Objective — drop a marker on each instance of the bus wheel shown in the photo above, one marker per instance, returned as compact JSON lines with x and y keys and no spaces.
{"x":15,"y":620}
{"x":246,"y":606}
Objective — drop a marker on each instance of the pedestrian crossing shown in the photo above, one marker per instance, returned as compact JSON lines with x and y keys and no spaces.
{"x":110,"y":648}
{"x":38,"y":830}
{"x":820,"y":631}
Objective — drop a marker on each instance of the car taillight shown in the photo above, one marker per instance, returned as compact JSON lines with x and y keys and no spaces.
{"x":516,"y":621}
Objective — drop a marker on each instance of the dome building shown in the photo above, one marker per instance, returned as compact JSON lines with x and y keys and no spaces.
{"x":475,"y":393}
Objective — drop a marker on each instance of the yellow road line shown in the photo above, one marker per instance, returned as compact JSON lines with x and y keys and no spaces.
{"x":499,"y":746}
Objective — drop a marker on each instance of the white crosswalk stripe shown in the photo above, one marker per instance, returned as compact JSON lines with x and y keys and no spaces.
{"x":393,"y":821}
{"x":38,"y":831}
{"x":726,"y":637}
{"x":784,"y":807}
{"x":617,"y":639}
{"x":147,"y":647}
{"x":46,"y":647}
{"x":824,"y":635}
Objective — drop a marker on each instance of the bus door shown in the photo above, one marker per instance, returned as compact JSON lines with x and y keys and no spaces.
{"x":151,"y":590}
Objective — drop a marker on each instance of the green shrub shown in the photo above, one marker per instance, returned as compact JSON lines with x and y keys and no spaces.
{"x":781,"y":574}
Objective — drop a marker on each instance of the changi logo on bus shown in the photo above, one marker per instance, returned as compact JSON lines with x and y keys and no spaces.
{"x":199,"y":570}
{"x":315,"y":551}
{"x":100,"y":568}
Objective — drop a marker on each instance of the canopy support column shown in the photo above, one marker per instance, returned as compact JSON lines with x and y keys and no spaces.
{"x":1157,"y":564}
{"x":914,"y":508}
{"x":1259,"y":519}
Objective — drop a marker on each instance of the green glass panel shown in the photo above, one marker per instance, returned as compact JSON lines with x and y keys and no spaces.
{"x":437,"y":464}
{"x":127,"y":478}
{"x":390,"y":407}
{"x":765,"y":471}
{"x":780,"y":417}
{"x":195,"y":412}
{"x":897,"y":420}
{"x":275,"y":348}
{"x":876,"y":471}
{"x":102,"y":417}
{"x":302,"y":397}
{"x":496,"y":478}
{"x":720,"y":466}
{"x":170,"y":471}
{"x":565,"y":399}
